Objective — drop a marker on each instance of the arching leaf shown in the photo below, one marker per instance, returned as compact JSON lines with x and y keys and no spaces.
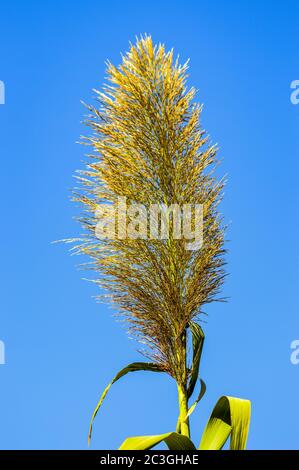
{"x":197,"y":345}
{"x":203,"y":388}
{"x":230,"y":418}
{"x":173,"y":440}
{"x":134,"y":367}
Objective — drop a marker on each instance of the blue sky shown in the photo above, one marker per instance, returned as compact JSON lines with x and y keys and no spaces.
{"x":61,"y":347}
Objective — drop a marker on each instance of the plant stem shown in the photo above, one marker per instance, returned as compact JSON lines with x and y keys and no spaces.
{"x":183,"y":422}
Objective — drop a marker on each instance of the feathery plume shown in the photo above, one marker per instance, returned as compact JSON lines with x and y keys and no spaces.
{"x":149,"y":148}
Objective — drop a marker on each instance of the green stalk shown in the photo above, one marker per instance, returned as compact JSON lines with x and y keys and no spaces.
{"x":183,"y":421}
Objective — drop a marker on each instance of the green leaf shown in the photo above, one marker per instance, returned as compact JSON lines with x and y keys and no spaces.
{"x":134,"y":367}
{"x":173,"y":440}
{"x":230,"y":417}
{"x":203,"y":388}
{"x":197,"y":345}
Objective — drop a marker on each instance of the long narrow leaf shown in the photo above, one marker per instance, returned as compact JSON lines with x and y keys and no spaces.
{"x":134,"y":367}
{"x":173,"y":440}
{"x":197,"y":345}
{"x":203,"y":388}
{"x":230,"y":417}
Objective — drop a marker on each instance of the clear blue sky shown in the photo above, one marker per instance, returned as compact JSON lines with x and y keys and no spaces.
{"x":61,"y":347}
